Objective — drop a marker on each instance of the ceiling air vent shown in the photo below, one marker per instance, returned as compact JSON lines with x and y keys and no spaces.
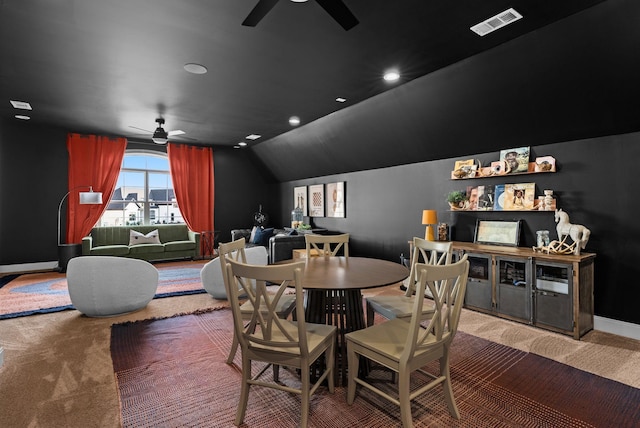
{"x":495,"y":22}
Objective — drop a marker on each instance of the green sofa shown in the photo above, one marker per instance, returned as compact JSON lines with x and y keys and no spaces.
{"x":176,"y":242}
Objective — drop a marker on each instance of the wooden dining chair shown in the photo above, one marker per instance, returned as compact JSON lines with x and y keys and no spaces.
{"x":236,"y":251}
{"x":327,"y":245}
{"x":401,"y":306}
{"x":405,"y":347}
{"x":270,"y":339}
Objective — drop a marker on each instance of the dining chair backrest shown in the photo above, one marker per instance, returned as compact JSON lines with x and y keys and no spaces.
{"x":432,"y":253}
{"x":448,"y":285}
{"x":234,"y":250}
{"x":327,"y":245}
{"x":265,"y":328}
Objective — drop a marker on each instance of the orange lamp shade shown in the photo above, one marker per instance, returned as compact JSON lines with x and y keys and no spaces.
{"x":429,"y":217}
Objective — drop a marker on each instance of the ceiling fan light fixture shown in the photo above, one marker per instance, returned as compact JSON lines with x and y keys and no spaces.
{"x":159,"y":135}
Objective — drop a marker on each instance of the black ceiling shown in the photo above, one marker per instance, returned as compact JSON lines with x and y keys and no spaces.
{"x":104,"y":67}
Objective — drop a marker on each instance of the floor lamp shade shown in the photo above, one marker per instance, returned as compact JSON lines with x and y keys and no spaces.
{"x":67,"y":251}
{"x":429,"y":218}
{"x":90,"y":197}
{"x":85,"y":198}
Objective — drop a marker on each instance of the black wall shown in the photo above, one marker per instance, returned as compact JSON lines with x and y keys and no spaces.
{"x":33,"y":178}
{"x":384,"y":208}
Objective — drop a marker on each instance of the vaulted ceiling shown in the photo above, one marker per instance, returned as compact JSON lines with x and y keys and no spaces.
{"x":112,"y":67}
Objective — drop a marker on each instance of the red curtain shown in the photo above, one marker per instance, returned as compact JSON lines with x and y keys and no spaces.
{"x":93,"y":161}
{"x":192,"y":175}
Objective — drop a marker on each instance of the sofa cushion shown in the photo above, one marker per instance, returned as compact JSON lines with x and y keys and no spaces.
{"x":110,"y":250}
{"x":253,"y":234}
{"x":146,"y":249}
{"x":262,"y":237}
{"x":179,"y":246}
{"x":136,"y":237}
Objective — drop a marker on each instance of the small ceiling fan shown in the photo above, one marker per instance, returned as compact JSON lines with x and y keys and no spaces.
{"x":336,"y":8}
{"x":160,"y":136}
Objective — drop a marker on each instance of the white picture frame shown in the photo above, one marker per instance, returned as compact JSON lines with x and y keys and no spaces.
{"x":316,"y":200}
{"x":336,"y":200}
{"x":300,"y":197}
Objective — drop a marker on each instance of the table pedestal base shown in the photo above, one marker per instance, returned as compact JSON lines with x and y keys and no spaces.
{"x":342,"y":308}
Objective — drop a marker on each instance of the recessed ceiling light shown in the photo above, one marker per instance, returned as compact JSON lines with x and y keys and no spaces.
{"x":294,"y":121}
{"x":253,"y":137}
{"x":195,"y":68}
{"x":341,"y":100}
{"x":21,"y":105}
{"x":299,"y":1}
{"x":242,"y":144}
{"x":22,"y":117}
{"x":236,"y":146}
{"x":391,"y":76}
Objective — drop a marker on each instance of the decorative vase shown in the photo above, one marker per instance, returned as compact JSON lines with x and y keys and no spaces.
{"x":548,"y":200}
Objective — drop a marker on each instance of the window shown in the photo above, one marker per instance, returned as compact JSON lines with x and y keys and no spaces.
{"x":144,"y":192}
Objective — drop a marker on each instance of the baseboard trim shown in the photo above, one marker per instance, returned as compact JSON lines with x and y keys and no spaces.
{"x":28,"y":267}
{"x":621,"y":328}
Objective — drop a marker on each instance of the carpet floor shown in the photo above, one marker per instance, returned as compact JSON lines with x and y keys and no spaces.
{"x":172,"y":372}
{"x":46,"y":292}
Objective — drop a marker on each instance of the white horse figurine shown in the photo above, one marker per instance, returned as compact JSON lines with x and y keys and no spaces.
{"x":577,"y":232}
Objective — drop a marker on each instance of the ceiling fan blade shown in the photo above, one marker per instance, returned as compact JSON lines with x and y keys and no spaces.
{"x":259,"y":11}
{"x":340,"y":12}
{"x":140,"y":129}
{"x":176,"y":132}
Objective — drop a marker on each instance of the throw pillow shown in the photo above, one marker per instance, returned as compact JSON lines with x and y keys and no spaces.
{"x":262,"y":237}
{"x":253,"y":234}
{"x":136,"y":238}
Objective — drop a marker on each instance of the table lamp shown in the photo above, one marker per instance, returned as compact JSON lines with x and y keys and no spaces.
{"x":429,"y":218}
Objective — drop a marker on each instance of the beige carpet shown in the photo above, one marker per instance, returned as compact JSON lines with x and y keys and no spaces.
{"x":58,"y":370}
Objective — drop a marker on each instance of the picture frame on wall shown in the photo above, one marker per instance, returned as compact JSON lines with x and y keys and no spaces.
{"x":300,"y":199}
{"x":335,"y":200}
{"x":316,"y":200}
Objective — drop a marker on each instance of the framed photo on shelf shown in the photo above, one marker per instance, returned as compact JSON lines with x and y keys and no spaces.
{"x":316,"y":200}
{"x":545,"y":164}
{"x":300,"y":199}
{"x":519,"y":196}
{"x":335,"y":199}
{"x":517,"y":159}
{"x":498,"y":232}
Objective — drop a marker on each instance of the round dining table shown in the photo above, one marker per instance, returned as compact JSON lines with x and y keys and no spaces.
{"x":333,"y":294}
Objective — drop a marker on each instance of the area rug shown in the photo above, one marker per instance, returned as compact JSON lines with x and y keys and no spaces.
{"x":172,"y":372}
{"x":36,"y":293}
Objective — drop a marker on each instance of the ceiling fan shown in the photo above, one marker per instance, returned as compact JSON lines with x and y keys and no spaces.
{"x":336,"y":8}
{"x":160,"y":136}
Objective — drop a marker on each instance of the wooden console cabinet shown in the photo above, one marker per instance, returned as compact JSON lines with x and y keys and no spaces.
{"x":550,"y":291}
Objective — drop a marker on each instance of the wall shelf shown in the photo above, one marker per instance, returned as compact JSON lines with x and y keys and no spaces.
{"x":488,"y":172}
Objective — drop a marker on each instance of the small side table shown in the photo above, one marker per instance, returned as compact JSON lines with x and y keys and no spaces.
{"x":65,"y":253}
{"x":208,"y":242}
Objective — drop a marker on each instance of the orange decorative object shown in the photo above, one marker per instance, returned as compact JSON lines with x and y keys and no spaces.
{"x":429,"y":218}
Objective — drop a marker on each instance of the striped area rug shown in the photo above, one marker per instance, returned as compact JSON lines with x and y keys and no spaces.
{"x":172,"y":372}
{"x":47,"y":292}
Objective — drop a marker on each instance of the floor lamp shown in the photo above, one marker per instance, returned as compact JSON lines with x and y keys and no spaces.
{"x":429,"y":218}
{"x":68,"y":251}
